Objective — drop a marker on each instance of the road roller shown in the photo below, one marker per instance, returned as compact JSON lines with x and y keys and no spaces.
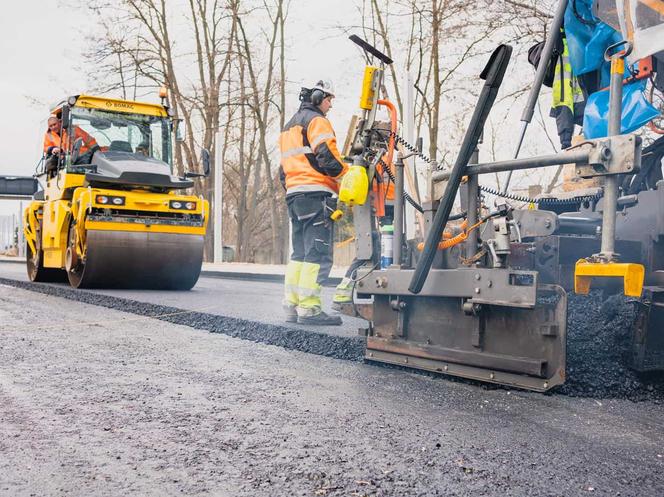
{"x":112,"y":213}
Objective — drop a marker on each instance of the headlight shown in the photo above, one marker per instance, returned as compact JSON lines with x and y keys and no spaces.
{"x":188,"y":206}
{"x":105,"y":199}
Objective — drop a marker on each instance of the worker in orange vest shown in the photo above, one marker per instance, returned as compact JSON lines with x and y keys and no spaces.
{"x":311,"y":167}
{"x":52,"y":141}
{"x":56,"y":141}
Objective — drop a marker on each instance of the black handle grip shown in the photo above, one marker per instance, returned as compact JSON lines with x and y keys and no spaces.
{"x":371,"y":49}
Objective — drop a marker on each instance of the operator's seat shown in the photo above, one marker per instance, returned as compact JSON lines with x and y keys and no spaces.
{"x":120,"y":146}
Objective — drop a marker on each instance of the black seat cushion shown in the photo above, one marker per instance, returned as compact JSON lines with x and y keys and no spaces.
{"x":120,"y":146}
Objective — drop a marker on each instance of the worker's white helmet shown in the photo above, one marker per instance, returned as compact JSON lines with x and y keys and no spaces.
{"x":326,"y":86}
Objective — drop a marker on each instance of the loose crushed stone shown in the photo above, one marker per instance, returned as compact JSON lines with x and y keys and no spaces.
{"x":598,"y":338}
{"x":598,"y":342}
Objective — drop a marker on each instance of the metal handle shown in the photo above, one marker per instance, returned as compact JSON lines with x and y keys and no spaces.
{"x":609,"y":52}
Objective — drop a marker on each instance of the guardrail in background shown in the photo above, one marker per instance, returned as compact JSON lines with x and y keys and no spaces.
{"x":18,"y":187}
{"x":12,"y":241}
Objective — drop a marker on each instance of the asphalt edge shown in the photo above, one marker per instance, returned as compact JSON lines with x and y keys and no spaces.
{"x":228,"y":275}
{"x":267,"y":277}
{"x":290,"y":338}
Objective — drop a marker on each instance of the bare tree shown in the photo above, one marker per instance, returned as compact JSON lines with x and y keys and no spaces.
{"x":262,"y":114}
{"x":137,"y":52}
{"x":444,"y":44}
{"x":440,"y":38}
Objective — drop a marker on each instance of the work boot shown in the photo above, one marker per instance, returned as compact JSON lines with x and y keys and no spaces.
{"x":320,"y":319}
{"x":291,"y":314}
{"x":343,"y":293}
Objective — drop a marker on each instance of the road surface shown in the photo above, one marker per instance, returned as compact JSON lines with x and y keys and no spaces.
{"x":97,"y":402}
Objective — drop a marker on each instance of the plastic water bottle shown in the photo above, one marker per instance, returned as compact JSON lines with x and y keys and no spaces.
{"x":386,"y":246}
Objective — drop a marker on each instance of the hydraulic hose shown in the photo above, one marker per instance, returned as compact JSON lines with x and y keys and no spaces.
{"x":388,"y":157}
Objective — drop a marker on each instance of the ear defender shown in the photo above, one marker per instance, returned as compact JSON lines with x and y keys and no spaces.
{"x":317,"y":97}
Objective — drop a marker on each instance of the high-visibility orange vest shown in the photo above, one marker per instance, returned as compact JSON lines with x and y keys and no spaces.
{"x":52,"y":139}
{"x":310,"y":160}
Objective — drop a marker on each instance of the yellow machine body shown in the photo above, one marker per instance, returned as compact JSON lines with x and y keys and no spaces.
{"x":153,"y":237}
{"x":367,"y":98}
{"x":632,"y":275}
{"x":116,"y":105}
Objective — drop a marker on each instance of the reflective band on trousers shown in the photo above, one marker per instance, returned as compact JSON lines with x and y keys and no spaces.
{"x":320,"y":139}
{"x":292,"y":281}
{"x":307,"y":292}
{"x":309,"y":289}
{"x":296,"y":151}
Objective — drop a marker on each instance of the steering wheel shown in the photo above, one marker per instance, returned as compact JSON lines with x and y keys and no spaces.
{"x":86,"y":158}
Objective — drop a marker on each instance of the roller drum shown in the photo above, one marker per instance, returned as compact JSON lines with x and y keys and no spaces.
{"x":122,"y":259}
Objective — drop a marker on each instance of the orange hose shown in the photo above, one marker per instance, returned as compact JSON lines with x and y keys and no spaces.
{"x":393,"y":126}
{"x":653,"y":127}
{"x":388,"y":157}
{"x":450,"y":241}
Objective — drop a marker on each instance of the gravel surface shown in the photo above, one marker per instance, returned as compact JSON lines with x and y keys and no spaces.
{"x":97,"y":402}
{"x":597,"y":341}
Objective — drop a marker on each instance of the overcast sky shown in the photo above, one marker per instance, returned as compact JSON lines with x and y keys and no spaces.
{"x":38,"y":55}
{"x":42,"y":41}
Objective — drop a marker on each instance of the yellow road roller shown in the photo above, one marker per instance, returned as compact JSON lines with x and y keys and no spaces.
{"x":112,"y":214}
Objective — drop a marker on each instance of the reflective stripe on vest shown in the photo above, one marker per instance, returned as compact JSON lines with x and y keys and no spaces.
{"x":320,"y":139}
{"x":296,"y":151}
{"x":566,"y":90}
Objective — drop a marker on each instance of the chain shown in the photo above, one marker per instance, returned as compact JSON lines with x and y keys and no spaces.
{"x":407,"y":197}
{"x":554,"y":201}
{"x":472,"y":260}
{"x":485,"y":189}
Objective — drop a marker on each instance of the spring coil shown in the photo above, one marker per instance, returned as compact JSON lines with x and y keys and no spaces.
{"x":407,"y":146}
{"x":412,"y":149}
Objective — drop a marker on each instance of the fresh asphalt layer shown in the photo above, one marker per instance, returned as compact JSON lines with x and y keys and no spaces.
{"x":97,"y":402}
{"x":597,"y":334}
{"x":252,"y":300}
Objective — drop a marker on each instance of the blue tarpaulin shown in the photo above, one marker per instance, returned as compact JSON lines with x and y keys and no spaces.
{"x":587,"y":40}
{"x":636,"y":111}
{"x":587,"y":37}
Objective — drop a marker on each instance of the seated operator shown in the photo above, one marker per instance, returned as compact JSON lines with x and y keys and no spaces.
{"x":143,"y":149}
{"x":52,"y":143}
{"x":56,"y":141}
